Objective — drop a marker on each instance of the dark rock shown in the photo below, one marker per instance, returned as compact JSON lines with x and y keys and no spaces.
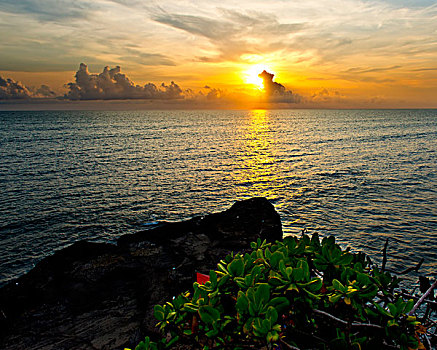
{"x":101,"y":296}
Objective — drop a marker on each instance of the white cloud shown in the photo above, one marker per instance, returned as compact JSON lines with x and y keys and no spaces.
{"x":111,"y":84}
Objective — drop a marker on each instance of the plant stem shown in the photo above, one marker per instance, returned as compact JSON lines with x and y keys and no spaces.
{"x":422,"y":298}
{"x":288,"y":345}
{"x":353,"y":324}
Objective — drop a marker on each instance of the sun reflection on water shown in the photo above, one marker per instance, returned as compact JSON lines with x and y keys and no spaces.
{"x":257,"y":159}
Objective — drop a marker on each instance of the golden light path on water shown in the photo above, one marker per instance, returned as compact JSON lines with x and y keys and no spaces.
{"x":260,"y":159}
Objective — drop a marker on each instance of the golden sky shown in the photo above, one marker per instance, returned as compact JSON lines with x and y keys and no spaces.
{"x":325,"y":54}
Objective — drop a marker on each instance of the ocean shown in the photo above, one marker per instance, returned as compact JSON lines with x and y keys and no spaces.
{"x":360,"y":175}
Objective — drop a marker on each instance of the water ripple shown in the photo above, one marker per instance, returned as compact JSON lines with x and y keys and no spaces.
{"x":362,"y":176}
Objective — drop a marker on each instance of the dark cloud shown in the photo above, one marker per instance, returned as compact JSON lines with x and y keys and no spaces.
{"x":111,"y":84}
{"x":424,"y":69}
{"x":44,"y":91}
{"x":14,"y":90}
{"x":357,"y":70}
{"x":324,"y":95}
{"x":11,"y":90}
{"x":276,"y":92}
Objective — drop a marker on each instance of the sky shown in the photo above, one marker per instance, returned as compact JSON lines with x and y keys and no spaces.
{"x":323,"y":54}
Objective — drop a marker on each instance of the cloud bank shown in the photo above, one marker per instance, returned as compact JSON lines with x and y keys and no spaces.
{"x":13,"y":90}
{"x":111,"y":84}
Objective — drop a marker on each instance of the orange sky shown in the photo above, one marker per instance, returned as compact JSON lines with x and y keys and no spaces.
{"x":326,"y":54}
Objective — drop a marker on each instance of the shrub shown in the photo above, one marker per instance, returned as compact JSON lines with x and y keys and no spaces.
{"x":296,"y":294}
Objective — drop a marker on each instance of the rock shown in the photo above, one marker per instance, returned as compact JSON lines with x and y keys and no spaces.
{"x":101,"y":296}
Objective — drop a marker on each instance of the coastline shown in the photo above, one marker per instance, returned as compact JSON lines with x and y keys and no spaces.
{"x":100,"y":295}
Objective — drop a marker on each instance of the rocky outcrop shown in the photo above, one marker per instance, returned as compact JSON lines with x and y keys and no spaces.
{"x":101,"y":296}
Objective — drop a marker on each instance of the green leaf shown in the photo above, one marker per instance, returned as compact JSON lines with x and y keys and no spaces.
{"x":276,"y":281}
{"x":409,"y":305}
{"x":393,"y":309}
{"x":236,"y":267}
{"x":248,"y":280}
{"x":222,"y":268}
{"x":190,"y":307}
{"x":306,"y":270}
{"x":213,"y":278}
{"x":312,"y":295}
{"x":172,"y":341}
{"x":369,"y":292}
{"x":382,"y":311}
{"x":334,"y":298}
{"x":314,"y":285}
{"x":240,"y":282}
{"x":297,"y":274}
{"x":279,"y":303}
{"x":315,"y":240}
{"x":209,"y":314}
{"x":392,"y":323}
{"x":262,"y":294}
{"x":266,"y":325}
{"x":267,"y":253}
{"x":359,"y":267}
{"x":223,"y":280}
{"x":212,"y":333}
{"x":272,"y":314}
{"x":242,"y":304}
{"x":141,"y":346}
{"x":339,"y":286}
{"x":158,"y":312}
{"x":276,"y":258}
{"x":293,"y":286}
{"x":345,"y":259}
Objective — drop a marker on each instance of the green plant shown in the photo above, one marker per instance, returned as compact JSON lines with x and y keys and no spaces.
{"x":299,"y":293}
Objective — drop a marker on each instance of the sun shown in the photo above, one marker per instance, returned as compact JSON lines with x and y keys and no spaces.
{"x":251,"y":77}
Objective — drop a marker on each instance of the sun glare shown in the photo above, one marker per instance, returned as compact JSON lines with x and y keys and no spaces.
{"x":251,"y":77}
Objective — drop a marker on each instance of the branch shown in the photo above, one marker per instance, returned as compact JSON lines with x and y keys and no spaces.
{"x":408,"y":270}
{"x":384,"y":255}
{"x":353,"y":324}
{"x":422,"y":298}
{"x":413,"y":268}
{"x":428,"y":342}
{"x":406,"y":295}
{"x":288,"y":345}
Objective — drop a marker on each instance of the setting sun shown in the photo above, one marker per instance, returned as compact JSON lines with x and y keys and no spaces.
{"x":251,"y":77}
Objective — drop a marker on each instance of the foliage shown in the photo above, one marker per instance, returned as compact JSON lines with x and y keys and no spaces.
{"x":301,"y":293}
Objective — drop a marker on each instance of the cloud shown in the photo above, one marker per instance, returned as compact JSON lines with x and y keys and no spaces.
{"x":44,"y":91}
{"x":111,"y":84}
{"x":49,"y":10}
{"x":276,"y":92}
{"x":234,"y":33}
{"x":323,"y":95}
{"x":145,"y":58}
{"x":14,"y":90}
{"x":359,"y":70}
{"x":11,"y":90}
{"x":424,"y":69}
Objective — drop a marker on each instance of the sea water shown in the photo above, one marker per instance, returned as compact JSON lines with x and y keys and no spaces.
{"x":360,"y":175}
